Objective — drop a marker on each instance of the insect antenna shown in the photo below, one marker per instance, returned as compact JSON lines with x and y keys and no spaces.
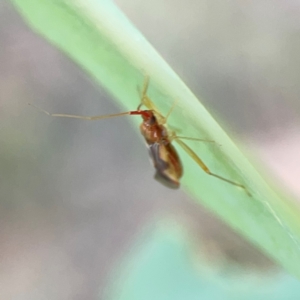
{"x":93,"y":118}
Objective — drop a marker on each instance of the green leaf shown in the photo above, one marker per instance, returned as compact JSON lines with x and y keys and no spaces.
{"x":99,"y":37}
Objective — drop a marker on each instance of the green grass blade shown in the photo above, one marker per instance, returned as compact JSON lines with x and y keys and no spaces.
{"x":98,"y":37}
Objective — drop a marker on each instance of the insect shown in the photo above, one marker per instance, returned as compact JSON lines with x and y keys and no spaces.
{"x":159,"y":138}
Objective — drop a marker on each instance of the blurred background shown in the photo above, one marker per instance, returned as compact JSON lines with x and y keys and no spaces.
{"x":76,"y":196}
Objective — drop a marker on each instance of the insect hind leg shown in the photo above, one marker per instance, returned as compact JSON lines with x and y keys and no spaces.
{"x":202,"y":165}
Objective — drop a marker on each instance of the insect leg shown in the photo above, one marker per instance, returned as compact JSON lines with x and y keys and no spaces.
{"x":145,"y":87}
{"x":146,"y":101}
{"x":164,"y":120}
{"x":199,"y":161}
{"x":176,"y":137}
{"x":143,"y":94}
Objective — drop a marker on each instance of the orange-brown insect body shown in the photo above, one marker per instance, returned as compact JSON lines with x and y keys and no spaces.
{"x":165,"y":159}
{"x":151,"y":130}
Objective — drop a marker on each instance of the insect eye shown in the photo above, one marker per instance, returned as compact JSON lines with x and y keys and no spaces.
{"x":152,"y":120}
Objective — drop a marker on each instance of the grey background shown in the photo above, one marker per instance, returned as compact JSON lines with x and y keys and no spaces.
{"x":75,"y":195}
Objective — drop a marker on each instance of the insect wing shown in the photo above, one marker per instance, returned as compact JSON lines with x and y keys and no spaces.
{"x":167,"y":164}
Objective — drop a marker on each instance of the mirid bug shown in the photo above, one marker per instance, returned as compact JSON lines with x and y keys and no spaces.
{"x":159,"y":140}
